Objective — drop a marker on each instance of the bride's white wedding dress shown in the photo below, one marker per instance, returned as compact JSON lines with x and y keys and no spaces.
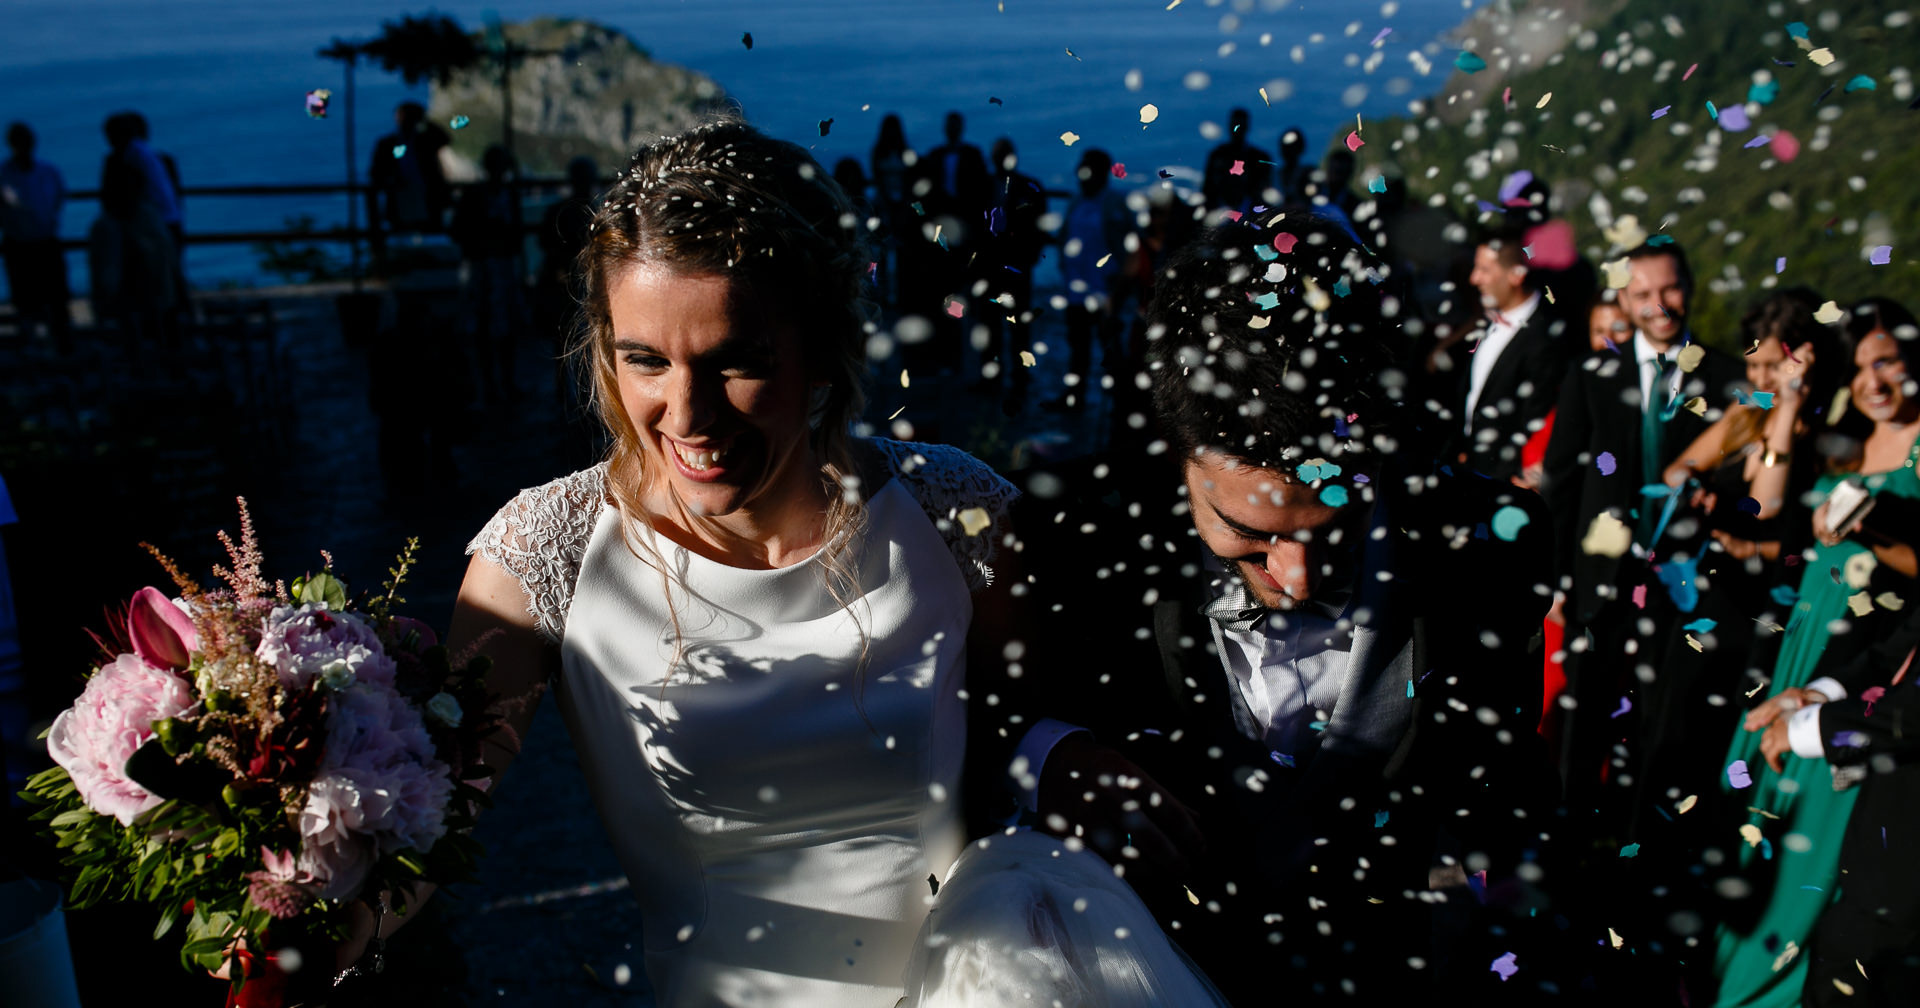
{"x":784,"y":820}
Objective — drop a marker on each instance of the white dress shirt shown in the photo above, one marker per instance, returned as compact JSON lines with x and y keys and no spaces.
{"x":1289,"y":669}
{"x":1500,"y":332}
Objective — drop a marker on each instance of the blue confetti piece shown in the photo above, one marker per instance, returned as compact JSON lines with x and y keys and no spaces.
{"x":1334,"y":496}
{"x":1797,"y":29}
{"x":1379,"y":819}
{"x":1656,"y":490}
{"x":1625,"y":706}
{"x":1630,"y":850}
{"x":1784,"y":595}
{"x":1764,"y":400}
{"x":1760,"y":141}
{"x":1505,"y":966}
{"x":1378,"y":184}
{"x":1267,"y":301}
{"x":1469,"y":62}
{"x":1764,"y":94}
{"x":1606,"y":463}
{"x":1850,"y":740}
{"x":459,"y":122}
{"x":1282,"y":758}
{"x":1485,"y":207}
{"x":1860,"y":83}
{"x":1682,"y":578}
{"x":1508,"y":521}
{"x":1664,"y":814}
{"x":1340,"y":288}
{"x":1766,"y":849}
{"x":1701,"y":625}
{"x":399,"y":151}
{"x":1662,"y":110}
{"x":1382,"y":37}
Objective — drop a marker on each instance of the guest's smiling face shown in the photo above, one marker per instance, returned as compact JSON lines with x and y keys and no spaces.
{"x":1882,"y":389}
{"x":1272,"y":530}
{"x":716,"y":389}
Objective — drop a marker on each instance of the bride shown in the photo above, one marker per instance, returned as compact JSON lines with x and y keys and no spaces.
{"x":755,"y":625}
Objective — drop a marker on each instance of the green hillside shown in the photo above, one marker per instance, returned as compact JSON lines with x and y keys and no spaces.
{"x":1854,"y":185}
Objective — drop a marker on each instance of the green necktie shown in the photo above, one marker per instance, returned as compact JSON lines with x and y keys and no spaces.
{"x":1651,"y":438}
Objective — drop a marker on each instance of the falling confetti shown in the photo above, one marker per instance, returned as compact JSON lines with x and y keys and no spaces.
{"x":1606,"y":463}
{"x":1263,"y":98}
{"x":1630,"y":850}
{"x":1382,"y":37}
{"x":1690,"y":71}
{"x":903,"y":377}
{"x":1508,"y":521}
{"x":956,"y":308}
{"x":1625,"y":706}
{"x":1284,"y":242}
{"x":1544,"y":99}
{"x":1712,"y":112}
{"x":1738,"y":776}
{"x":1614,"y":939}
{"x":1702,"y":625}
{"x":1690,"y":357}
{"x":1377,"y":184}
{"x":1861,"y":82}
{"x":1797,"y":29}
{"x":1469,"y":62}
{"x":1764,"y":93}
{"x":317,"y":103}
{"x":1686,"y":804}
{"x":399,"y":151}
{"x":1606,"y":537}
{"x":1751,"y":834}
{"x":1828,"y":314}
{"x":1662,"y":110}
{"x":974,"y":520}
{"x":1505,"y":966}
{"x":1238,"y":168}
{"x":1069,"y":137}
{"x":1148,"y":113}
{"x":825,"y":125}
{"x":1882,"y":254}
{"x":1760,"y":141}
{"x":1119,"y":169}
{"x":1786,"y":146}
{"x":1027,"y":358}
{"x":1821,"y":57}
{"x":1734,"y":119}
{"x":1334,"y":496}
{"x":1354,"y":142}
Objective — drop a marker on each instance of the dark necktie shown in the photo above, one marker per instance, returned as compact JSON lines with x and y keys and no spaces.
{"x":1652,"y":443}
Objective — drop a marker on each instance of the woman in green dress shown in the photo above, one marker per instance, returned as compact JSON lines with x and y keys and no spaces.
{"x":1790,"y":848}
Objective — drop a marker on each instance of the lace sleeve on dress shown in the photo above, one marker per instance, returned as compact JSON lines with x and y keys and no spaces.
{"x":964,"y":497}
{"x":539,"y":538}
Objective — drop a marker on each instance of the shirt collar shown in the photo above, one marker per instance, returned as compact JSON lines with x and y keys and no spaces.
{"x":1518,"y":317}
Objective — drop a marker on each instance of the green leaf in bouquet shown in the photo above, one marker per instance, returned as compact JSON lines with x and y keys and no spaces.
{"x":72,"y":817}
{"x":321,"y":587}
{"x":169,"y":916}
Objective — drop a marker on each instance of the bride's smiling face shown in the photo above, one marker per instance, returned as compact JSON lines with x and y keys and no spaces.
{"x":716,"y":389}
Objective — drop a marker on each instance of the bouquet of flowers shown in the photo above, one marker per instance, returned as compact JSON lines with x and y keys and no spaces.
{"x":256,"y":757}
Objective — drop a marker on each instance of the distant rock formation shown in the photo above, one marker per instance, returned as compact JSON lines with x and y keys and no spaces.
{"x":591,"y":91}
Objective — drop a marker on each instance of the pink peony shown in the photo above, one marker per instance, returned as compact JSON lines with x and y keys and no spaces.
{"x":308,"y":642}
{"x":114,"y":716}
{"x":162,"y":635}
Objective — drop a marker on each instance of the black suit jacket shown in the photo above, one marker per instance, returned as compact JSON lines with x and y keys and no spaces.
{"x":1519,"y":393}
{"x":1431,"y":748}
{"x":1599,"y":412}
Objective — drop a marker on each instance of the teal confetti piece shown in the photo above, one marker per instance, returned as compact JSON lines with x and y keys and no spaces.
{"x":399,"y":151}
{"x":1409,"y":689}
{"x":459,"y":122}
{"x":1469,"y":62}
{"x":1797,"y":29}
{"x":1267,"y":301}
{"x":1379,"y":182}
{"x":1317,"y":725}
{"x":1334,"y":496}
{"x":1658,"y":240}
{"x":1702,"y":625}
{"x":1508,"y":521}
{"x":1340,"y":288}
{"x":1764,"y":94}
{"x":1630,"y":850}
{"x":1764,"y":400}
{"x":1712,"y":112}
{"x":1860,"y":83}
{"x":1380,"y":819}
{"x":1266,"y":253}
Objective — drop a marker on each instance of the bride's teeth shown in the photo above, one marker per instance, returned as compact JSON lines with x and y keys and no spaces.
{"x":699,"y":460}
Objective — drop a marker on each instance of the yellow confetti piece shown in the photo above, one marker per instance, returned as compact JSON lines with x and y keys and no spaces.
{"x":903,"y":377}
{"x":1686,"y":804}
{"x":1191,"y":898}
{"x":1828,"y":314}
{"x":1843,"y":987}
{"x":1607,"y":536}
{"x":1694,"y":644}
{"x":1544,"y":99}
{"x":1751,"y":834}
{"x":1103,"y":260}
{"x":1756,"y":691}
{"x":1821,"y":56}
{"x":1550,"y":299}
{"x":1626,"y":232}
{"x":1026,"y":358}
{"x":1317,"y":299}
{"x":1860,"y":603}
{"x":1696,"y":406}
{"x":896,"y":413}
{"x":1786,"y":956}
{"x":1890,"y":602}
{"x":1148,"y":113}
{"x":1614,"y":939}
{"x":1174,"y":4}
{"x":974,"y":519}
{"x":1617,"y":273}
{"x":1862,"y":969}
{"x":1859,"y":570}
{"x":1690,"y":357}
{"x":1259,"y":322}
{"x":1263,"y":97}
{"x":1069,"y":137}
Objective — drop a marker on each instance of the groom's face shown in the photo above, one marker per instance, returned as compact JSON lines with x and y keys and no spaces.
{"x":1271,"y":529}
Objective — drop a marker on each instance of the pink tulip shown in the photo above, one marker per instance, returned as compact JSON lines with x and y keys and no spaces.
{"x":162,"y":635}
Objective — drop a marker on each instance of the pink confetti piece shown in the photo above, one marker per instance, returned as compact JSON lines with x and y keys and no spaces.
{"x":1639,"y":596}
{"x":1119,"y":170}
{"x":956,"y":308}
{"x":1786,"y":146}
{"x":1284,"y":242}
{"x":1233,"y":215}
{"x":1353,"y":140}
{"x":1871,"y":696}
{"x":1506,"y":97}
{"x":1239,"y":168}
{"x":1882,"y":255}
{"x":1690,"y":71}
{"x":1737,"y":774}
{"x":1662,"y":110}
{"x":1606,"y":463}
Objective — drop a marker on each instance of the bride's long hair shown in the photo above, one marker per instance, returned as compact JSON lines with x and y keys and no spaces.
{"x":724,"y":199}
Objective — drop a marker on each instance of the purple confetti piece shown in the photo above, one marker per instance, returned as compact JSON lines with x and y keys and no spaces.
{"x":1662,"y":110}
{"x":1625,"y":706}
{"x":1780,"y":265}
{"x":1737,"y":774}
{"x":1606,"y":463}
{"x":1759,"y":141}
{"x":1484,"y":206}
{"x":1505,"y":966}
{"x":1882,"y":254}
{"x":1382,"y":37}
{"x":1734,"y":119}
{"x":1850,"y":740}
{"x":1510,"y":188}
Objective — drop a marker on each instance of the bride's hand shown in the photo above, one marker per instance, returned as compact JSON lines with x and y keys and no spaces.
{"x":1088,"y":790}
{"x":361,"y":922}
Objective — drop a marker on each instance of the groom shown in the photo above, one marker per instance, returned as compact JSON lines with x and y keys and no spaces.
{"x":1278,"y":675}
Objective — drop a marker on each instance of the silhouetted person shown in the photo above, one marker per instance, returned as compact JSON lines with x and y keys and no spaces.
{"x":31,"y":195}
{"x":957,"y":191}
{"x":406,"y":188}
{"x":1291,"y":179}
{"x":1237,"y":172}
{"x":891,"y":164}
{"x":1013,"y":246}
{"x":1329,"y":191}
{"x":1092,"y":244}
{"x":486,"y":226}
{"x":131,"y":253}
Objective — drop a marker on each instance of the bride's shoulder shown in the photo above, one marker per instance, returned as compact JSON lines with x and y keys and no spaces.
{"x":964,"y":498}
{"x":540,"y":537}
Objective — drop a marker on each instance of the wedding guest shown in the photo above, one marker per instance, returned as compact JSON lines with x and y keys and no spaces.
{"x":487,"y":227}
{"x":1795,"y":809}
{"x":890,"y":164}
{"x":131,"y":251}
{"x":1607,"y":325}
{"x":1092,"y":242}
{"x":406,"y":187}
{"x":1013,"y":246}
{"x":1274,"y":674}
{"x":32,"y":193}
{"x":1237,"y":172}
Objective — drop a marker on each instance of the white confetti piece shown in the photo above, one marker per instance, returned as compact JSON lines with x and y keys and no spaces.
{"x":1617,"y":272}
{"x":1263,"y":97}
{"x":1828,"y":314}
{"x":903,"y":377}
{"x":1026,"y":358}
{"x":1821,"y":56}
{"x":1544,"y":99}
{"x":1614,"y":939}
{"x":1751,"y":834}
{"x":1069,"y":137}
{"x":1686,"y":804}
{"x":1690,"y":357}
{"x":1607,"y":536}
{"x":1259,"y":322}
{"x":1148,"y":113}
{"x":973,"y":520}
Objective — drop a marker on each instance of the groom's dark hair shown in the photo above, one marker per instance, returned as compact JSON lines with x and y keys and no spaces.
{"x":1270,"y":339}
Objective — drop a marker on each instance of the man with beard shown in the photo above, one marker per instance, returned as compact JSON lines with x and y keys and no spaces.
{"x":1278,"y":675}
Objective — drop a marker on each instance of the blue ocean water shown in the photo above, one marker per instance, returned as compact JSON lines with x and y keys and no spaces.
{"x":222,"y":81}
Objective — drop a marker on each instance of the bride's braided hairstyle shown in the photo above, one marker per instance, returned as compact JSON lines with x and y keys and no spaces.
{"x":725,"y":199}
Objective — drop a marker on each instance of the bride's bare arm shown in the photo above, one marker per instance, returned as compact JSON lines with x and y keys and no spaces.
{"x":490,"y":614}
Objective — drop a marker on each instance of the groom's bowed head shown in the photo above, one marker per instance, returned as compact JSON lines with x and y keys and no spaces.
{"x":1270,"y":344}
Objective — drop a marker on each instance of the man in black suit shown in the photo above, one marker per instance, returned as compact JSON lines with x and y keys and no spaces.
{"x":1275,"y":674}
{"x":1510,"y":369}
{"x":1237,"y":172}
{"x":955,"y":190}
